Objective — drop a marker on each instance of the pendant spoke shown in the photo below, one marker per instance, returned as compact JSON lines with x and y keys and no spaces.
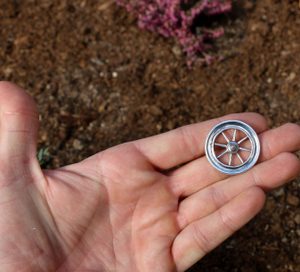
{"x":222,"y":154}
{"x":240,"y":158}
{"x":232,"y":147}
{"x":234,"y":135}
{"x":242,"y":140}
{"x":221,"y":145}
{"x":230,"y":159}
{"x":245,"y":149}
{"x":226,"y":138}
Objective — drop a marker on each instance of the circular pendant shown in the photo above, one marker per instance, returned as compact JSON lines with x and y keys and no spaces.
{"x":232,"y":147}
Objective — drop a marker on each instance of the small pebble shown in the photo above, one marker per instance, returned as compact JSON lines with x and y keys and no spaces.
{"x":293,"y":200}
{"x":77,"y":144}
{"x":291,"y":76}
{"x":249,"y":5}
{"x":177,"y":51}
{"x":297,"y":219}
{"x":101,"y":108}
{"x":8,"y":71}
{"x":278,"y":192}
{"x":155,"y":110}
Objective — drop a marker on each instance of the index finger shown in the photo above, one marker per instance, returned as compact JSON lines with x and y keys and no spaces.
{"x":186,"y":143}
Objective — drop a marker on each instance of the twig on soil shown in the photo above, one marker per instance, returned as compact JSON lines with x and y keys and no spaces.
{"x":105,"y":5}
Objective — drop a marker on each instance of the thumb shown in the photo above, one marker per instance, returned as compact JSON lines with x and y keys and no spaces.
{"x":18,"y":126}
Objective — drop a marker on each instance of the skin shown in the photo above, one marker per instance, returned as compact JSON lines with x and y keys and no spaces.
{"x":130,"y":207}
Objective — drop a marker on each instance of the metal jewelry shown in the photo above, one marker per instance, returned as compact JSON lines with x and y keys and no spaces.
{"x":232,"y":147}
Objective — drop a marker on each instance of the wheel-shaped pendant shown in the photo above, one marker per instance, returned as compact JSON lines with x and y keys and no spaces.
{"x":232,"y":147}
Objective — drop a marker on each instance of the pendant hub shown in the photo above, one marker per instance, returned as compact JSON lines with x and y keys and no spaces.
{"x":233,"y":147}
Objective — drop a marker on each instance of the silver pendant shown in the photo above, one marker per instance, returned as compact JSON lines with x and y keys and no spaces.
{"x":232,"y":147}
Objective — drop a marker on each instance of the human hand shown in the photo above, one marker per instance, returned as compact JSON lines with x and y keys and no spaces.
{"x":127,"y":208}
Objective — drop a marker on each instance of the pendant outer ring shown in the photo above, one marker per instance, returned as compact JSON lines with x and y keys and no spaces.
{"x":235,"y":124}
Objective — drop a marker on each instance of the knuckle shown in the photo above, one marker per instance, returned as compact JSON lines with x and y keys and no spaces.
{"x":201,"y":239}
{"x":287,"y":158}
{"x":227,"y":222}
{"x":188,"y":140}
{"x":290,"y":161}
{"x":266,"y":147}
{"x":182,"y":219}
{"x":217,"y":197}
{"x":255,"y":177}
{"x":255,"y":115}
{"x":293,"y":129}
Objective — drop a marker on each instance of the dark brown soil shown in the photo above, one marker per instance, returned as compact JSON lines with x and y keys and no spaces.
{"x":100,"y":81}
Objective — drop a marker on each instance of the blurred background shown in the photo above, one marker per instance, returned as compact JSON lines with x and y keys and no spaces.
{"x":100,"y":81}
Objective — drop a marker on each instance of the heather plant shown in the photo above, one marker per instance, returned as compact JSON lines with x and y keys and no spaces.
{"x":175,"y":18}
{"x":43,"y":157}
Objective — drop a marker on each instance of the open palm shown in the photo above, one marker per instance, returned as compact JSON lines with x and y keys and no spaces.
{"x":150,"y":205}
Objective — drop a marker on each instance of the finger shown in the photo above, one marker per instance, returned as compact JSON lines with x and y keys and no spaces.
{"x":267,"y":175}
{"x":186,"y":143}
{"x":200,"y":237}
{"x":18,"y":124}
{"x":285,"y":138}
{"x":199,"y":174}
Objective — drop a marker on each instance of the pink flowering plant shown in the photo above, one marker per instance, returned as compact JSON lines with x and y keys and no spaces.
{"x":175,"y":18}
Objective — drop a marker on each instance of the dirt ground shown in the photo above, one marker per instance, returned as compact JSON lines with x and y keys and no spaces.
{"x":100,"y":81}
